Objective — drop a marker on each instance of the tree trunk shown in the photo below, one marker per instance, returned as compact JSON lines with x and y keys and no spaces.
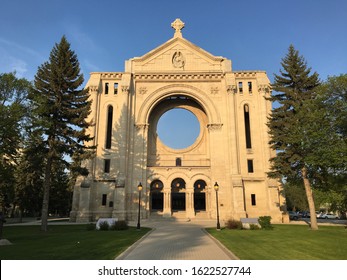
{"x":46,"y":188}
{"x":310,"y":200}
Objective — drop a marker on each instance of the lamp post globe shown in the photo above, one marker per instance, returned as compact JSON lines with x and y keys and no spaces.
{"x":139,"y":187}
{"x":216,"y":187}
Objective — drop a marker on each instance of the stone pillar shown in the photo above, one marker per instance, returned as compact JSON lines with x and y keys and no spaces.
{"x":167,"y":204}
{"x":190,"y":213}
{"x":84,"y":214}
{"x":119,"y":203}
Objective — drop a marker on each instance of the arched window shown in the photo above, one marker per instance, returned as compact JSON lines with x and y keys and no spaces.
{"x":109,"y":127}
{"x":247,"y":127}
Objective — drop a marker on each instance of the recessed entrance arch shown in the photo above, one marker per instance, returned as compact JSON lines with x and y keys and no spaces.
{"x":178,"y":195}
{"x":199,"y":196}
{"x":157,"y":196}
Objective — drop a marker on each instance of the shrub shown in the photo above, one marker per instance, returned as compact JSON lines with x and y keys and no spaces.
{"x":120,"y":225}
{"x":233,"y":224}
{"x":91,"y":226}
{"x":253,"y":227}
{"x":265,"y":222}
{"x":104,"y":226}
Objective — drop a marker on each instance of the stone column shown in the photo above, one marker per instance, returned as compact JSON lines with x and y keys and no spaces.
{"x":190,"y":213}
{"x":84,"y":214}
{"x":167,"y":204}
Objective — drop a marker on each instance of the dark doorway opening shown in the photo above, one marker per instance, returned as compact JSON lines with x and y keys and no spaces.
{"x":199,"y":196}
{"x":157,"y":201}
{"x":157,"y":196}
{"x":178,"y":201}
{"x":199,"y":201}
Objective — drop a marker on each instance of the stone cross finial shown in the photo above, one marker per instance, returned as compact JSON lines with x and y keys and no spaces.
{"x":178,"y":26}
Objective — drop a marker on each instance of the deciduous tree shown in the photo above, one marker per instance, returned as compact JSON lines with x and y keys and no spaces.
{"x":13,"y":108}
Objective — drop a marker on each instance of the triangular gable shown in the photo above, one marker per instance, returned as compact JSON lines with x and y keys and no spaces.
{"x":175,"y":55}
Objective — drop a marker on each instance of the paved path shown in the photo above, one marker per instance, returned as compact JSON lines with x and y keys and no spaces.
{"x":177,"y":240}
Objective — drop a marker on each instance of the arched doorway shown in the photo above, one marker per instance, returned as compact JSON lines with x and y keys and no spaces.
{"x":199,"y":196}
{"x":157,"y":196}
{"x":178,"y":195}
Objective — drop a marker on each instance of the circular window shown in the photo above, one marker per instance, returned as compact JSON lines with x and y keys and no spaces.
{"x":178,"y":128}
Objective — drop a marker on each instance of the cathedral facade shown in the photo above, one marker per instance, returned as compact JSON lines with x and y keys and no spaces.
{"x":224,"y":170}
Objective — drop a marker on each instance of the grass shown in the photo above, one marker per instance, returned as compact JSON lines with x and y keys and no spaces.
{"x":66,"y":242}
{"x":286,"y":242}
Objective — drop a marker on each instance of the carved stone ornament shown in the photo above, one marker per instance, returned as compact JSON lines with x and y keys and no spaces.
{"x":214,"y":126}
{"x":178,"y":26}
{"x":142,"y":90}
{"x":231,"y":89}
{"x":125,"y":89}
{"x":93,"y":88}
{"x":264,"y":88}
{"x":178,"y":60}
{"x":214,"y":90}
{"x":140,"y":126}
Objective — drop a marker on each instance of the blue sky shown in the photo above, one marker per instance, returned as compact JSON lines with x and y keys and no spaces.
{"x":255,"y":35}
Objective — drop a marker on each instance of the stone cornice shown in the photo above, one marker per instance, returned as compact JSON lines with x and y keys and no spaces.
{"x":111,"y":75}
{"x":188,"y":77}
{"x":247,"y":74}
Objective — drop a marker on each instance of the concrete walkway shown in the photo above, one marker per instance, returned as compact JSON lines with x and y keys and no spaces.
{"x":177,"y":240}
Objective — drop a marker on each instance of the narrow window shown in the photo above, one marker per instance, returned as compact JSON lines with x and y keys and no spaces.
{"x":104,"y":199}
{"x":115,"y":88}
{"x":250,"y":165}
{"x":110,"y":204}
{"x":247,"y":127}
{"x":240,"y":87}
{"x":178,"y":161}
{"x":250,"y":87}
{"x":107,"y":165}
{"x":253,"y":200}
{"x":106,"y":88}
{"x":109,"y":127}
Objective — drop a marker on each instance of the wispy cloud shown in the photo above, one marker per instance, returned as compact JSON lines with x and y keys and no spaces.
{"x":21,"y":48}
{"x":75,"y":32}
{"x":10,"y":63}
{"x":90,"y":67}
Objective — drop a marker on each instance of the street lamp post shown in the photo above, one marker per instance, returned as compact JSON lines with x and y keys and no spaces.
{"x":216,"y":187}
{"x":139,"y":187}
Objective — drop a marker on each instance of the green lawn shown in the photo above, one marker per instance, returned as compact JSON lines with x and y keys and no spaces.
{"x":66,"y":242}
{"x":286,"y":242}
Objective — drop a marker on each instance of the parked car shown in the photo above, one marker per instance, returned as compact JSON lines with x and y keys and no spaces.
{"x":293,"y":215}
{"x":304,"y":214}
{"x":329,"y":216}
{"x":318,"y":214}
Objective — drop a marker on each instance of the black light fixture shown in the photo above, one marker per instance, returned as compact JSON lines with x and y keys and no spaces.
{"x":216,"y":187}
{"x":139,"y":187}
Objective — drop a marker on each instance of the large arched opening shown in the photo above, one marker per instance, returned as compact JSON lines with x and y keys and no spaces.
{"x":178,"y":195}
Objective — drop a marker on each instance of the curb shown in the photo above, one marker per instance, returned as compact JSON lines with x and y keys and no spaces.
{"x":127,"y":251}
{"x":220,"y":245}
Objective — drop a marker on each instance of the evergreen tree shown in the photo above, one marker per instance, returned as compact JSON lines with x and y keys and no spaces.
{"x":61,"y":110}
{"x":287,"y":124}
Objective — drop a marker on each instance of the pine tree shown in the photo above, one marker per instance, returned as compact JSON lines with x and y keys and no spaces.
{"x":287,"y":125}
{"x":60,"y":110}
